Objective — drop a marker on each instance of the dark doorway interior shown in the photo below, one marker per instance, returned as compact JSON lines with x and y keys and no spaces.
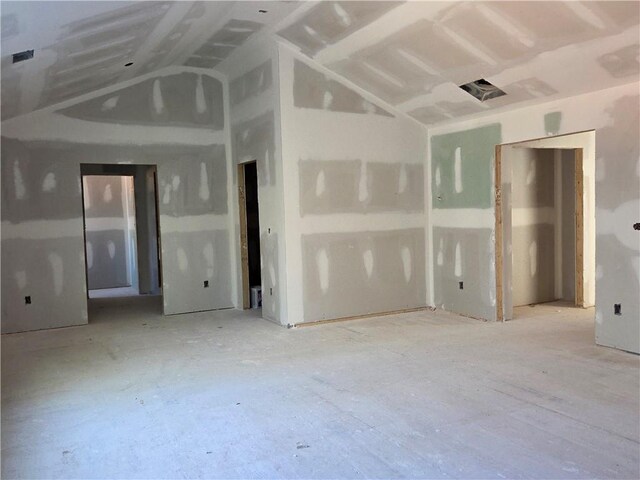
{"x":253,"y":223}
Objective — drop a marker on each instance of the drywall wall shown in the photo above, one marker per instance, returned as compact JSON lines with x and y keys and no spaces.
{"x":462,"y":221}
{"x":354,"y":199}
{"x":42,"y":237}
{"x":533,"y":226}
{"x":110,"y":231}
{"x":255,"y":136}
{"x":146,"y":231}
{"x":587,"y":142}
{"x":613,"y":115}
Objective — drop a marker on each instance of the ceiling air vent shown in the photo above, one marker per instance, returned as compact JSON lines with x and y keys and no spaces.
{"x":482,"y":90}
{"x":22,"y":56}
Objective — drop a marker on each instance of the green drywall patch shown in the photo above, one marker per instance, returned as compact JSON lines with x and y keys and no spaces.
{"x":471,"y":186}
{"x":552,"y":123}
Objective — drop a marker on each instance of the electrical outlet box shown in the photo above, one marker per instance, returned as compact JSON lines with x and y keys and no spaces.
{"x":461,"y":285}
{"x":617,"y":309}
{"x":206,"y":284}
{"x":27,"y":300}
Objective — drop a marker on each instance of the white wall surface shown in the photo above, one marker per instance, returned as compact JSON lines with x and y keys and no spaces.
{"x":613,"y":114}
{"x":173,"y":119}
{"x":354,"y":199}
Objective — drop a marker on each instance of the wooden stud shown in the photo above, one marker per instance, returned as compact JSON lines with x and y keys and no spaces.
{"x":244,"y":246}
{"x":579,"y":225}
{"x":498,"y":233}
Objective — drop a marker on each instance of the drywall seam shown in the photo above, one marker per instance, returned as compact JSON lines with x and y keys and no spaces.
{"x":232,"y":225}
{"x":461,"y":217}
{"x":164,"y":72}
{"x":333,"y":75}
{"x":428,"y":203}
{"x":38,"y":127}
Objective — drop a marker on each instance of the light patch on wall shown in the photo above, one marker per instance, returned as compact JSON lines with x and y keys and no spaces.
{"x":158,"y":102}
{"x":367,"y":258}
{"x":111,"y":247}
{"x":49,"y":182}
{"x":18,"y":181}
{"x":201,"y":103}
{"x":405,"y":253}
{"x":204,"y":183}
{"x":58,"y":271}
{"x":457,"y":170}
{"x":166,"y":197}
{"x":323,"y":270}
{"x":457,"y":269}
{"x":107,"y":195}
{"x":320,"y":184}
{"x":110,"y":103}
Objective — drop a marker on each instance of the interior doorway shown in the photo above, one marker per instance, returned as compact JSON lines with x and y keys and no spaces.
{"x":121,"y":230}
{"x":250,"y":235}
{"x":545,"y":224}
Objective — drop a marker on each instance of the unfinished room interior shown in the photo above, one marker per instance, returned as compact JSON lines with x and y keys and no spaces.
{"x":320,"y":239}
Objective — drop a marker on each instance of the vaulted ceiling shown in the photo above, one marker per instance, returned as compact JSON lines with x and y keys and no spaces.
{"x":411,"y":55}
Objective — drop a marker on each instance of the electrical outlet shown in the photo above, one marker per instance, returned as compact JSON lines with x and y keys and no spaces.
{"x":27,"y":300}
{"x":461,"y":285}
{"x":617,"y":309}
{"x":206,"y":284}
{"x":270,"y":291}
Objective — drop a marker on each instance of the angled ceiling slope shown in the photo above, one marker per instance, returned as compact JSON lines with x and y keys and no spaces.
{"x":84,"y":46}
{"x":411,"y":55}
{"x":415,"y":55}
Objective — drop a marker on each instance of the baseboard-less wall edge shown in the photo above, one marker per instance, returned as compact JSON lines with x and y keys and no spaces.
{"x":200,"y":311}
{"x":358,"y":317}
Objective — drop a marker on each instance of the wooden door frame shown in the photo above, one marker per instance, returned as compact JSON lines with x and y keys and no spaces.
{"x":579,"y":227}
{"x":244,"y":238}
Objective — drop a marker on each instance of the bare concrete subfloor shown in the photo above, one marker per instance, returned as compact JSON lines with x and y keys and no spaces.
{"x":228,"y":395}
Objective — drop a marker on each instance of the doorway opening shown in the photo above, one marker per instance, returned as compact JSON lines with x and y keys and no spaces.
{"x":250,"y":235}
{"x":121,"y":230}
{"x":545,"y":224}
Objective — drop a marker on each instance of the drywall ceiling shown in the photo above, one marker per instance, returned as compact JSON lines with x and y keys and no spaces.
{"x":83,"y":46}
{"x":414,"y":55}
{"x":411,"y":55}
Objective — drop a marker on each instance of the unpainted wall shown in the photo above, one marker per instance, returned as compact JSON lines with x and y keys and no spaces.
{"x":462,"y":219}
{"x":354,"y":199}
{"x":613,"y":114}
{"x":42,"y":218}
{"x":534,"y":226}
{"x":255,"y":136}
{"x":109,"y":231}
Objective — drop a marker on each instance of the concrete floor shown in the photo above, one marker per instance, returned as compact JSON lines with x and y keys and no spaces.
{"x":114,"y":292}
{"x":228,"y":395}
